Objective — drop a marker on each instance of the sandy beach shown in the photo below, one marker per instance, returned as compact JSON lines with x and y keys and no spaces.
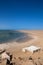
{"x":20,"y":58}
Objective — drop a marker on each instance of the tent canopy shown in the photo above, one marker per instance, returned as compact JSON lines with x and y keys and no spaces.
{"x":31,"y":49}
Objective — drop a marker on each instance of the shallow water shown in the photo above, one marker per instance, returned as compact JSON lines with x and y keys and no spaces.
{"x":10,"y":35}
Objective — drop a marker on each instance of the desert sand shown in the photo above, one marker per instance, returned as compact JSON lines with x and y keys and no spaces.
{"x":21,"y":58}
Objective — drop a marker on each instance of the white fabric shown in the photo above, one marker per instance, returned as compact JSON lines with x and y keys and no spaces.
{"x":31,"y":49}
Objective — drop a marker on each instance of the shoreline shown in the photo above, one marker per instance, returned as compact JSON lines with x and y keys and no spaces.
{"x":9,"y":44}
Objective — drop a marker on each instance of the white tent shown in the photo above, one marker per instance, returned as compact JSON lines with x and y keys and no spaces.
{"x":31,"y":49}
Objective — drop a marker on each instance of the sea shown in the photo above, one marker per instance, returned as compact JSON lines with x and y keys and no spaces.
{"x":13,"y":35}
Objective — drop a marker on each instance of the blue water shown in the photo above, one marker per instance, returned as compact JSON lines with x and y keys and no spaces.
{"x":10,"y":35}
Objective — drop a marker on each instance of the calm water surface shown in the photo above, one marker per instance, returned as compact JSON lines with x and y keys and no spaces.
{"x":10,"y":35}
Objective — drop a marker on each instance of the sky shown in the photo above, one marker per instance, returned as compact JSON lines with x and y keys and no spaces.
{"x":21,"y":14}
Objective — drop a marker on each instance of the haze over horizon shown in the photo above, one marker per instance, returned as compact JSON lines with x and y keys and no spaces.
{"x":21,"y":14}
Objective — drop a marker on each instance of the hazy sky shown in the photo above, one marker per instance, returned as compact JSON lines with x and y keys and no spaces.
{"x":21,"y":14}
